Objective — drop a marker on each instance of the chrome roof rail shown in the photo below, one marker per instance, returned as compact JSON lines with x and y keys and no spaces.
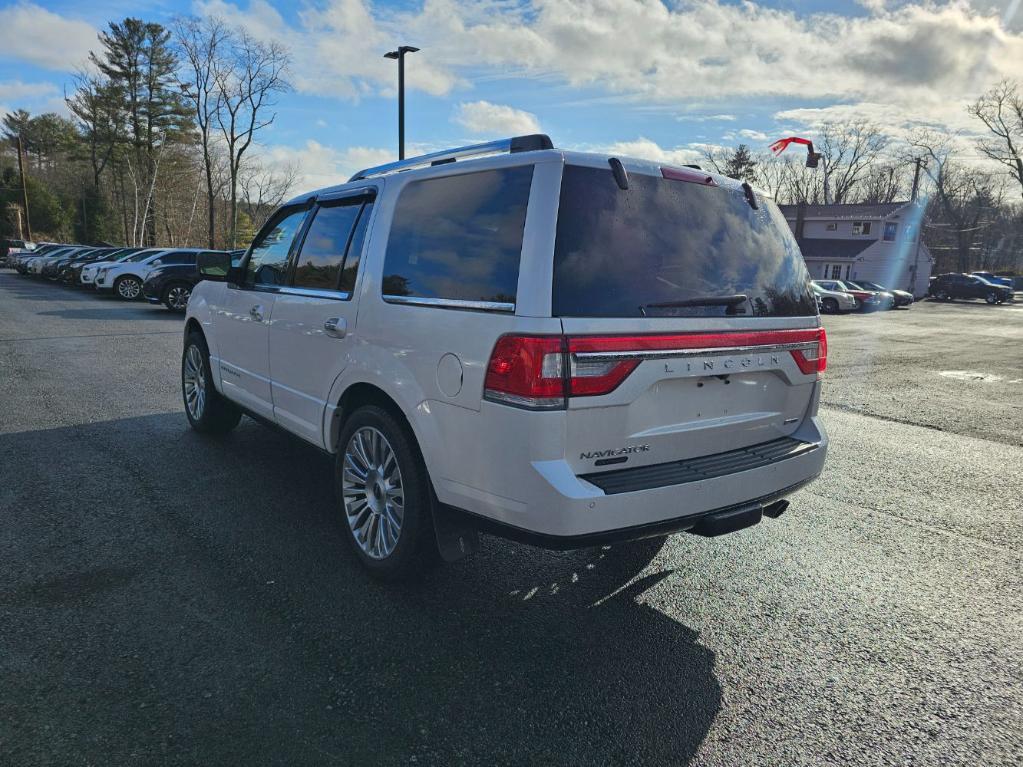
{"x":530,"y":143}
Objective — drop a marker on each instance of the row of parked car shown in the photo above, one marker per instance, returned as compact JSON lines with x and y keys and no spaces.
{"x":837,"y":296}
{"x":159,"y":275}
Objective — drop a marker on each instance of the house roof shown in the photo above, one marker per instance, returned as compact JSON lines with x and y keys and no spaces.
{"x":818,"y":247}
{"x":856,"y":211}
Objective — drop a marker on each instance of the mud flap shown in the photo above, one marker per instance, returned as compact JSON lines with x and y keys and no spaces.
{"x":456,"y":537}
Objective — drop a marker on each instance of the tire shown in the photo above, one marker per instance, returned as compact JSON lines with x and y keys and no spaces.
{"x":991,"y":298}
{"x":941,"y":295}
{"x":829,"y":306}
{"x":175,"y":297}
{"x":207,"y":411}
{"x":384,"y":496}
{"x":128,"y":288}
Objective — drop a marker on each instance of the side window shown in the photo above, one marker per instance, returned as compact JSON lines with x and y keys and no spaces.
{"x":351,"y":268}
{"x":459,"y":237}
{"x":268,"y":262}
{"x":178,"y":258}
{"x":323,"y":250}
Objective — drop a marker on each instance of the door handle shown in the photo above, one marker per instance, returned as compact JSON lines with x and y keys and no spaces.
{"x":336,"y":326}
{"x":256,"y":312}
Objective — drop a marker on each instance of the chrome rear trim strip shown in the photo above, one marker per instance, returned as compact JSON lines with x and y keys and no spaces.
{"x":715,"y":351}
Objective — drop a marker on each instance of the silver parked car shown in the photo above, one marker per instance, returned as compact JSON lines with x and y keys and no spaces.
{"x":557,"y":347}
{"x":833,"y":301}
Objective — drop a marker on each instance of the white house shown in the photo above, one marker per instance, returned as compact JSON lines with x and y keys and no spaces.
{"x":875,"y":242}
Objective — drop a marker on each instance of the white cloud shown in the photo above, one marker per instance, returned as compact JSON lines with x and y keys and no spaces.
{"x":38,"y":36}
{"x":17,"y":90}
{"x":647,"y":149}
{"x":319,"y":166}
{"x":753,"y":135}
{"x":495,"y":119}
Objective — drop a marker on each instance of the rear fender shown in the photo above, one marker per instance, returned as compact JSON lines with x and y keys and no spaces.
{"x":394,"y":379}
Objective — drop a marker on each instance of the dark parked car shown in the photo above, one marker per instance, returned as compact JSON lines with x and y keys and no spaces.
{"x":902,"y":297}
{"x":54,"y":269}
{"x":171,"y":284}
{"x":994,"y":279}
{"x":945,"y":287}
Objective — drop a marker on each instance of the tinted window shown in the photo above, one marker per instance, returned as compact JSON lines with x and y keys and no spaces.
{"x":178,"y":258}
{"x":459,"y":237}
{"x":351,"y":268}
{"x":323,"y":251}
{"x":672,"y":248}
{"x":268,"y":261}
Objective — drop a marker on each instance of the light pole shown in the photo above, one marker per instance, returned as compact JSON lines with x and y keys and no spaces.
{"x":400,"y":56}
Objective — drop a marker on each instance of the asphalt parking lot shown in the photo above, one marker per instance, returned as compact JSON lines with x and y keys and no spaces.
{"x":166,"y":598}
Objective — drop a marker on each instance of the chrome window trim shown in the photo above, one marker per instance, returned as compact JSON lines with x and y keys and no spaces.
{"x":714,"y":351}
{"x":450,"y":303}
{"x":294,"y":290}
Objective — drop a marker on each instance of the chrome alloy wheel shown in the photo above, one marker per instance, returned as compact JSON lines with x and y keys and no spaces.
{"x":177,"y":297}
{"x":129,"y":288}
{"x":194,"y":380}
{"x":372,"y":492}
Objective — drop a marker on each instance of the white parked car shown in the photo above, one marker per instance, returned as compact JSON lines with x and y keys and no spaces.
{"x":125,"y":278}
{"x":834,"y":301}
{"x":562,"y":348}
{"x":89,"y":271}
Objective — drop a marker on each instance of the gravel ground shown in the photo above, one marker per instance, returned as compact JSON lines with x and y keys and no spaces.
{"x":169,"y":599}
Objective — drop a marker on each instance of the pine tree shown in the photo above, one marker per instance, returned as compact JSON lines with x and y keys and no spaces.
{"x":741,"y":165}
{"x":140,"y":67}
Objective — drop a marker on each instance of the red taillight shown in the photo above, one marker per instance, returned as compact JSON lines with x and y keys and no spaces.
{"x":813,"y":360}
{"x":541,"y":372}
{"x":527,"y":371}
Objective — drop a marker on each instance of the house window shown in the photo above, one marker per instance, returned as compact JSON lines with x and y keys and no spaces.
{"x":832,"y":227}
{"x":861,"y":227}
{"x":836,"y":272}
{"x":890,"y":228}
{"x":847,"y":271}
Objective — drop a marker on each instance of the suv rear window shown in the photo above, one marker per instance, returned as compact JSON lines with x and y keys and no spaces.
{"x":459,"y":238}
{"x":666,"y":248}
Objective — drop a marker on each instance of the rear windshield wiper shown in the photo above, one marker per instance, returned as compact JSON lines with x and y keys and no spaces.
{"x":732,"y":302}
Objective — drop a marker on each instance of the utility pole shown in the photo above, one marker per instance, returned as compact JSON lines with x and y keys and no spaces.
{"x":400,"y":56}
{"x":916,"y":180}
{"x":24,"y":189}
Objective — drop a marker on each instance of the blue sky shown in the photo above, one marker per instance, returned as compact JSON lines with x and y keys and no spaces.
{"x":642,"y":77}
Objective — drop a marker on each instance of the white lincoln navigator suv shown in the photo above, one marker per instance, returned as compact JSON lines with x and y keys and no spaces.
{"x":561,"y":348}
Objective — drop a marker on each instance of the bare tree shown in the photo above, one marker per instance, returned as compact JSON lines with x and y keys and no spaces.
{"x":962,"y":203}
{"x":246,"y":91}
{"x":264,"y":189}
{"x":205,"y":44}
{"x":1001,"y":112}
{"x":883,"y":182}
{"x":847,"y":150}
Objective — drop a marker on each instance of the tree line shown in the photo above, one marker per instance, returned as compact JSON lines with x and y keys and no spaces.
{"x":158,"y":147}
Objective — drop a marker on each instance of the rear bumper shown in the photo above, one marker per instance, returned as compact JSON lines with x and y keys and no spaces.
{"x":555,"y":508}
{"x":755,"y":507}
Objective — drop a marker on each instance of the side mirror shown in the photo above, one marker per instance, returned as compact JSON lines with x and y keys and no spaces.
{"x":214,"y":266}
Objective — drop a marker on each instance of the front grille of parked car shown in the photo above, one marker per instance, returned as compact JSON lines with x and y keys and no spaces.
{"x":696,"y":469}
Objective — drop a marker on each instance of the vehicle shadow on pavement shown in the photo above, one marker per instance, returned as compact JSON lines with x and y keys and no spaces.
{"x":178,"y":599}
{"x":127,"y":312}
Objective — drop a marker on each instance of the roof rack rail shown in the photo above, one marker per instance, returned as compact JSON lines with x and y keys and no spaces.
{"x":530,"y":143}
